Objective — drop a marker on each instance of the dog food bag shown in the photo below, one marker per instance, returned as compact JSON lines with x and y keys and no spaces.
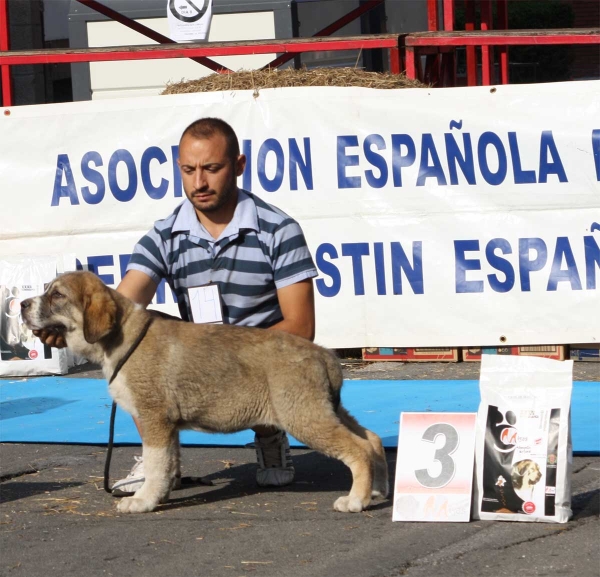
{"x":21,"y":353}
{"x":523,"y":452}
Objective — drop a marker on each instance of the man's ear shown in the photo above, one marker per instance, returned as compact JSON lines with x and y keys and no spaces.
{"x":99,"y":312}
{"x":240,"y":165}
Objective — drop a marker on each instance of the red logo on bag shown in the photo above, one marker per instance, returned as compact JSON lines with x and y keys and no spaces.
{"x":529,"y":507}
{"x":509,"y":436}
{"x":33,"y":355}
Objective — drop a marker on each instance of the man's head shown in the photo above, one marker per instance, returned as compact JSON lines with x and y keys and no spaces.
{"x":210,"y":162}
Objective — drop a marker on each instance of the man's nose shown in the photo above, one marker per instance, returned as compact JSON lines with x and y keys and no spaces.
{"x":25,"y":304}
{"x":200,"y":180}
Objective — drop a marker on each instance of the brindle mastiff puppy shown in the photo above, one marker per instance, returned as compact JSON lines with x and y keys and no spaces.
{"x":213,"y":378}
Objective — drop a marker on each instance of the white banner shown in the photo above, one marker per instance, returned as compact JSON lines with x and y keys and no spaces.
{"x":446,"y":217}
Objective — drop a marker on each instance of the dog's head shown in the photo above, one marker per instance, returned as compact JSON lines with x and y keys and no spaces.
{"x":73,"y":302}
{"x":525,"y":473}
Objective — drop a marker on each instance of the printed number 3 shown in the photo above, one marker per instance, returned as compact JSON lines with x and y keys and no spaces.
{"x":442,"y":455}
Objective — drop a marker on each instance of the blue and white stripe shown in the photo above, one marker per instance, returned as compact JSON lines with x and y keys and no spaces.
{"x":261,"y":250}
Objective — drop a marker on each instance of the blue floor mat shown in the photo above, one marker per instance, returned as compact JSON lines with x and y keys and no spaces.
{"x":71,"y":410}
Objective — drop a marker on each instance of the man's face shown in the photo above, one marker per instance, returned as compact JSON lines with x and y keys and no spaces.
{"x":208,"y":174}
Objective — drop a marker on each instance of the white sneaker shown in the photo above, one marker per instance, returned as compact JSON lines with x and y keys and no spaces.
{"x":134,"y":481}
{"x":275,"y":467}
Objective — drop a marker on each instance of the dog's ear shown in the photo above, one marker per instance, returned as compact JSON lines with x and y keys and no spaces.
{"x":99,"y":312}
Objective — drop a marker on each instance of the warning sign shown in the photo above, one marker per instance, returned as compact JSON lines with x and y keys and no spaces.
{"x":189,"y":20}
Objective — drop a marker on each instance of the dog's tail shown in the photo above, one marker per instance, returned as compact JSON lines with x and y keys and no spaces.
{"x":336,"y":378}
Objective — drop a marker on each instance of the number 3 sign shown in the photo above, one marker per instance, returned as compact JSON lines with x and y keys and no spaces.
{"x":434,"y":469}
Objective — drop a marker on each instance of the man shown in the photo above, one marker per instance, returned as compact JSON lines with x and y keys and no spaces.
{"x":253,"y":252}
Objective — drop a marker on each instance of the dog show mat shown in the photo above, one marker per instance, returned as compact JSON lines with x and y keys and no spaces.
{"x":71,"y":410}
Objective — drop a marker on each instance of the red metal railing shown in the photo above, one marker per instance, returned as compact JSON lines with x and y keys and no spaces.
{"x":428,"y":42}
{"x":292,"y":46}
{"x":215,"y":67}
{"x":440,"y":66}
{"x":197,"y":52}
{"x":153,"y":52}
{"x":438,"y":46}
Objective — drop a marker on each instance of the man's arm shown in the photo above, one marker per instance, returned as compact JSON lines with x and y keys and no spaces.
{"x":136,"y":285}
{"x":297,"y":303}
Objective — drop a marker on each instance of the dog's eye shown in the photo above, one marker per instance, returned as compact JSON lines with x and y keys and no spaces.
{"x":56,"y":295}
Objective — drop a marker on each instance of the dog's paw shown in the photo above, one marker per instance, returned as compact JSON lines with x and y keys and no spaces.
{"x":133,"y":505}
{"x":349,"y":505}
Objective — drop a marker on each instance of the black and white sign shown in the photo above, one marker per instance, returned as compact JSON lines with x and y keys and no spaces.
{"x":189,"y":20}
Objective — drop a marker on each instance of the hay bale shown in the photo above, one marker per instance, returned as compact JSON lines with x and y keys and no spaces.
{"x":290,"y":77}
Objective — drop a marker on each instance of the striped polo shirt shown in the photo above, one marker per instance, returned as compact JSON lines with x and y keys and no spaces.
{"x":261,"y":250}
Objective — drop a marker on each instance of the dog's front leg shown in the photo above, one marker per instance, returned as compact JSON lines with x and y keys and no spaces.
{"x":159,"y":470}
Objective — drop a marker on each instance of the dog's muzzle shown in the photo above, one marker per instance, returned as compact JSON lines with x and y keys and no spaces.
{"x":28,"y":312}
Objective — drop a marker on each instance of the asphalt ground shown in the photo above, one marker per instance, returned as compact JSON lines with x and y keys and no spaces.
{"x":55,"y":518}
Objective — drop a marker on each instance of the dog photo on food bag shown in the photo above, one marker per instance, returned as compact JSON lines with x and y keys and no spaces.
{"x":14,"y":336}
{"x":212,"y":378}
{"x":526,"y":474}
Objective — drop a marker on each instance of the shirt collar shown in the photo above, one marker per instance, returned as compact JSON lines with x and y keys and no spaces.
{"x":186,"y":220}
{"x":244,"y":218}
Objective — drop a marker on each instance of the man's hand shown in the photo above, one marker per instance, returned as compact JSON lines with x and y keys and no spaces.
{"x":51,"y":337}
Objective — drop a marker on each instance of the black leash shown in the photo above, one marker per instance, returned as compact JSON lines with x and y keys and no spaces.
{"x":111,"y":434}
{"x":113,"y":412}
{"x":132,"y":348}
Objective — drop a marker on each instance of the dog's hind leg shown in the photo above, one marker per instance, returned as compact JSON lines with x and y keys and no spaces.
{"x":380,"y":478}
{"x":334,"y":439}
{"x":175,"y":466}
{"x":160,"y":452}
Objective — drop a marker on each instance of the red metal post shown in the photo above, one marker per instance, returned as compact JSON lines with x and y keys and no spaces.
{"x":411,"y":64}
{"x":145,"y":31}
{"x":432,"y":15}
{"x":395,"y":65}
{"x":471,"y":51}
{"x":449,"y":14}
{"x":486,"y":78}
{"x":4,"y":45}
{"x":487,"y":53}
{"x":448,"y":59}
{"x":502,"y":8}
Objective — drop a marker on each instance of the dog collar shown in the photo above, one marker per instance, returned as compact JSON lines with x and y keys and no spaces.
{"x":132,"y":348}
